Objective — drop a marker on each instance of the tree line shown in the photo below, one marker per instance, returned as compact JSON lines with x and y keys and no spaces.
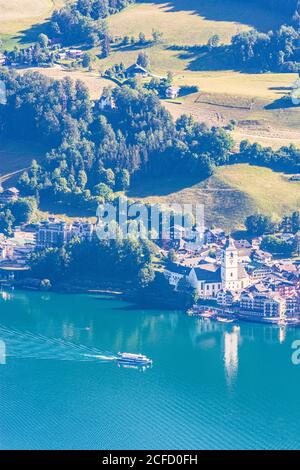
{"x":285,"y":159}
{"x":264,"y":226}
{"x":277,"y":51}
{"x":83,"y":21}
{"x":120,"y":260}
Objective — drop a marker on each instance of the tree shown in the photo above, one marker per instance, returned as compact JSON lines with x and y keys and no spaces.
{"x":214,"y":41}
{"x":143,"y":60}
{"x":172,"y":257}
{"x":259,"y":225}
{"x":277,"y":246}
{"x":82,"y":179}
{"x":51,"y":262}
{"x":106,"y":46}
{"x":23,"y":209}
{"x":195,"y":297}
{"x":108,"y":177}
{"x":103,"y":191}
{"x":145,"y":277}
{"x":157,"y":36}
{"x":142,"y":38}
{"x":43,"y":40}
{"x":86,"y":60}
{"x":123,"y":180}
{"x":6,"y":222}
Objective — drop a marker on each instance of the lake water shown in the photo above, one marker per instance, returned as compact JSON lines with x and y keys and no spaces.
{"x":211,"y":385}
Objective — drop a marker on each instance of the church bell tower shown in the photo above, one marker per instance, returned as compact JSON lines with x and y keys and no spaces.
{"x":230,"y":266}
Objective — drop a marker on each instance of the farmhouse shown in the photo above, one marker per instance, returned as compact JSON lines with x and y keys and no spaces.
{"x":106,"y":103}
{"x":9,"y":195}
{"x":172,"y":92}
{"x":136,"y":70}
{"x":74,"y":53}
{"x":2,"y":59}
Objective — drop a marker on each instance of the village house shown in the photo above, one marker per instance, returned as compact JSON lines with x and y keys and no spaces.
{"x":106,"y":103}
{"x":225,"y":298}
{"x":262,"y":305}
{"x":262,"y":257}
{"x":9,"y":195}
{"x":136,"y":70}
{"x":55,"y":233}
{"x":172,"y":92}
{"x":194,"y":239}
{"x":174,"y":273}
{"x":74,"y":53}
{"x":216,"y":235}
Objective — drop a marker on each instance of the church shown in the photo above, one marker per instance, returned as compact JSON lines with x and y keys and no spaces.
{"x":211,"y":279}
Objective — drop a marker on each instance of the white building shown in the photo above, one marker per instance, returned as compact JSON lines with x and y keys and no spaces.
{"x":55,"y":233}
{"x":175,"y":273}
{"x":211,"y":278}
{"x":172,"y":92}
{"x":194,"y":239}
{"x":262,"y":305}
{"x":207,"y":280}
{"x":233,"y":274}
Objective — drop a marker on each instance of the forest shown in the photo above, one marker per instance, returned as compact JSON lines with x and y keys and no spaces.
{"x":276,"y":51}
{"x":91,"y":153}
{"x":84,"y":20}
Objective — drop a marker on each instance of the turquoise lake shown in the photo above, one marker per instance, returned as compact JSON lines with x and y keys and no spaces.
{"x":211,"y":386}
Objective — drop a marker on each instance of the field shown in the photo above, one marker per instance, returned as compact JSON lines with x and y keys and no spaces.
{"x":245,"y":98}
{"x":230,"y":195}
{"x":20,"y":18}
{"x":92,"y":80}
{"x":223,"y":93}
{"x":186,"y":23}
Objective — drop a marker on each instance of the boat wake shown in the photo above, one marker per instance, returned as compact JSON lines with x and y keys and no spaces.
{"x":26,"y":345}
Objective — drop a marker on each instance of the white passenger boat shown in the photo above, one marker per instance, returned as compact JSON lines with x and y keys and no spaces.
{"x":134,"y":359}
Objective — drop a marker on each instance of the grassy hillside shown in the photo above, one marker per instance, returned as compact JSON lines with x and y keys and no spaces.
{"x":223,"y":93}
{"x":92,"y":80}
{"x":20,"y":18}
{"x":245,"y":98}
{"x":186,"y":23}
{"x":230,"y":195}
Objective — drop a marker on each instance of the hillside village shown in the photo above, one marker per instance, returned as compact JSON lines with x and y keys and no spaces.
{"x":228,"y":276}
{"x":225,"y":273}
{"x":237,"y":275}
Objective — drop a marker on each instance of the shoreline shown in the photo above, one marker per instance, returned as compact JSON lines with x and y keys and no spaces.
{"x":236,"y":318}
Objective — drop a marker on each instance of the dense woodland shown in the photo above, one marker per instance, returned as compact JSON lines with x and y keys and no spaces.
{"x":92,"y":153}
{"x":83,"y":21}
{"x":125,"y":261}
{"x":272,"y":51}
